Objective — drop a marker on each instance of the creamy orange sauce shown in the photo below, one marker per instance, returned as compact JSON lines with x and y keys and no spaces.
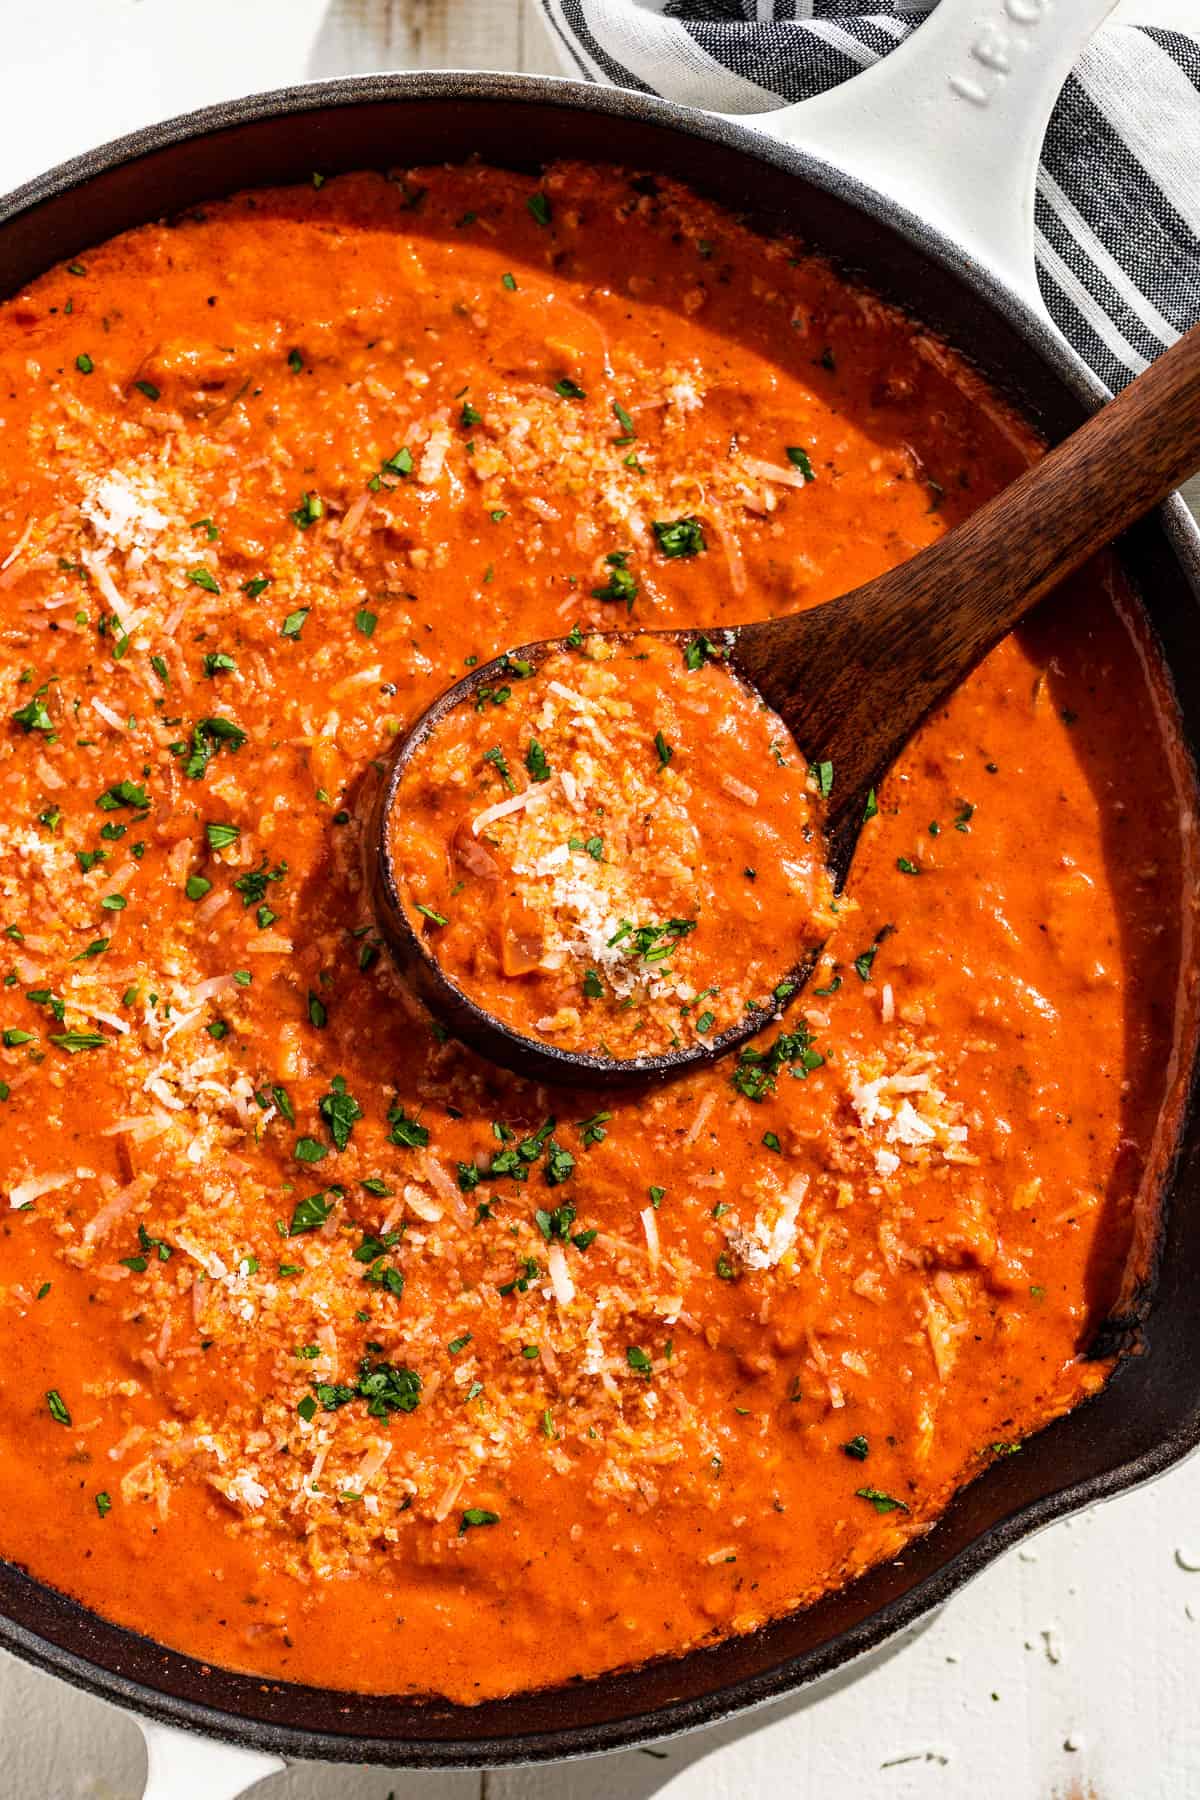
{"x":617,"y":851}
{"x":331,"y":1352}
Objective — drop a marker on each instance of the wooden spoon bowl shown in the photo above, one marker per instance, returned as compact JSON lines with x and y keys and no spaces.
{"x":462,"y":1015}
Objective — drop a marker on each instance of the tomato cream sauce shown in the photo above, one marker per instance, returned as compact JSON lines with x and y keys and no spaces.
{"x":331,"y":1352}
{"x":617,"y":851}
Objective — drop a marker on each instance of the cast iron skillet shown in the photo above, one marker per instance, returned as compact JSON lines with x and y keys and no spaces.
{"x":1149,"y":1415}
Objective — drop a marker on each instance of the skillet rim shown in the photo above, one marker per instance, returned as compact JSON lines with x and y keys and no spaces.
{"x":101,"y":1674}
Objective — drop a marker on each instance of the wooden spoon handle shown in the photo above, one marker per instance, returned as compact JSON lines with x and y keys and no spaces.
{"x":853,"y":679}
{"x":1081,"y":495}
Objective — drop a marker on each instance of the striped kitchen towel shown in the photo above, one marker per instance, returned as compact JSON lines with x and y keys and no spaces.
{"x":1118,"y":205}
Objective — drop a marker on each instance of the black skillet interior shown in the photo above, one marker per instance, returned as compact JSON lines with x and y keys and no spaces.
{"x":1149,"y":1415}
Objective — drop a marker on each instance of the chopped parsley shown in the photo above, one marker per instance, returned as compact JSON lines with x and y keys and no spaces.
{"x":310,"y":509}
{"x":97,"y":947}
{"x":520,"y":1282}
{"x":679,"y":537}
{"x":122,"y":793}
{"x":75,"y":1041}
{"x":555,"y":1224}
{"x":312,"y":1212}
{"x":406,"y":1131}
{"x":536,"y":762}
{"x":33,"y":716}
{"x":379,"y":1272}
{"x":208,"y":736}
{"x":560,"y":1164}
{"x":701,"y":649}
{"x":339,"y":1110}
{"x":496,"y":757}
{"x":652,"y":942}
{"x":862,"y":964}
{"x":592,"y":1130}
{"x":252,"y":886}
{"x":799,"y":459}
{"x":621,"y":584}
{"x":385,"y":1388}
{"x":757,"y":1070}
{"x":883,"y":1503}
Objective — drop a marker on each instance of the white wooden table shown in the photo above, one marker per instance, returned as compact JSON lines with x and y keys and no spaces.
{"x":1069,"y":1670}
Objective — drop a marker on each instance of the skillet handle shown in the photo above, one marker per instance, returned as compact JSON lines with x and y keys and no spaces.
{"x":950,"y":124}
{"x":182,"y":1766}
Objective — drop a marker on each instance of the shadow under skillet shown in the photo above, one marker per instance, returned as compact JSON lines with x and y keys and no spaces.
{"x":639,"y":1774}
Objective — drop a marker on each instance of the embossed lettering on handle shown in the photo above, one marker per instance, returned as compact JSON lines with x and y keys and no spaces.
{"x":994,"y":50}
{"x":950,"y":125}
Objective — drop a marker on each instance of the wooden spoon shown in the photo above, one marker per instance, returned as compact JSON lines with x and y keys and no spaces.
{"x":852,"y":679}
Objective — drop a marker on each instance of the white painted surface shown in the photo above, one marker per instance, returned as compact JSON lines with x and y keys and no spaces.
{"x":1068,"y":1671}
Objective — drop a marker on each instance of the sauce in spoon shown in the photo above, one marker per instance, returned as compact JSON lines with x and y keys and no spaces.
{"x":616,"y":850}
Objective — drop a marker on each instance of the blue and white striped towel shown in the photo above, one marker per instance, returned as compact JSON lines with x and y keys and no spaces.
{"x":1118,"y":206}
